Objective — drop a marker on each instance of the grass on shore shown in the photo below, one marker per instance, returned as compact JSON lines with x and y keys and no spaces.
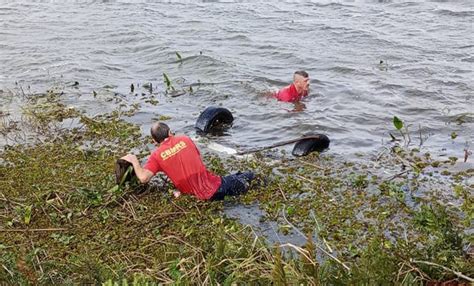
{"x":63,"y":222}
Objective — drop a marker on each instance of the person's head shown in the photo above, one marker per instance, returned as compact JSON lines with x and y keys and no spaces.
{"x":301,"y":81}
{"x":159,"y":132}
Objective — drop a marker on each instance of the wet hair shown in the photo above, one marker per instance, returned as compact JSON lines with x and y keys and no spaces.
{"x":301,"y":73}
{"x":159,"y":131}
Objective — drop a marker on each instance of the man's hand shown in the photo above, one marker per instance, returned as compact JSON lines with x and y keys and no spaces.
{"x":143,"y":175}
{"x":130,"y":158}
{"x":176,"y":194}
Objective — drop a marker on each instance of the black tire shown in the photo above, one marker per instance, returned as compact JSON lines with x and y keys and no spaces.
{"x":317,"y":142}
{"x":213,"y":119}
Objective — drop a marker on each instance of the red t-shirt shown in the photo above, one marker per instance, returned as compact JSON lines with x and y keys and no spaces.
{"x":289,"y":94}
{"x":180,"y":160}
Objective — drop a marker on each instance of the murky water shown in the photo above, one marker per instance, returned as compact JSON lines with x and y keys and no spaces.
{"x":234,"y":51}
{"x":251,"y":215}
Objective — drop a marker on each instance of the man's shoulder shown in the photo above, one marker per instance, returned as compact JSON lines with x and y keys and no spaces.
{"x":181,"y":138}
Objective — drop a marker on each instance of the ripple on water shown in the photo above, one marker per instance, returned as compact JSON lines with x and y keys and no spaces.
{"x":251,"y":48}
{"x":342,"y":70}
{"x":468,"y":59}
{"x":450,"y":13}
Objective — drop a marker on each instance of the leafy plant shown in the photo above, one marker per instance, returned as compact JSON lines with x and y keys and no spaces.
{"x":403,"y":129}
{"x":169,"y":85}
{"x":62,"y":238}
{"x":397,"y":123}
{"x":27,"y":216}
{"x":444,"y":241}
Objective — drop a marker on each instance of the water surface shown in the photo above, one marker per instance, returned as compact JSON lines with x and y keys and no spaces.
{"x":368,"y":61}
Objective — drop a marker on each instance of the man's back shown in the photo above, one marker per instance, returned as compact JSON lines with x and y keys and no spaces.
{"x":289,"y":94}
{"x":180,"y":160}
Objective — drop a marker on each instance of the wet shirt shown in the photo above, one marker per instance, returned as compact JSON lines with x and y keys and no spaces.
{"x":289,"y":94}
{"x":180,"y":160}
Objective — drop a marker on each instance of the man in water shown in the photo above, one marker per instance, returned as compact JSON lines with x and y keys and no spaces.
{"x":179,"y":158}
{"x":295,"y":91}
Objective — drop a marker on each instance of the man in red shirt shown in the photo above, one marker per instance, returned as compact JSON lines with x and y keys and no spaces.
{"x":179,"y":158}
{"x":295,"y":91}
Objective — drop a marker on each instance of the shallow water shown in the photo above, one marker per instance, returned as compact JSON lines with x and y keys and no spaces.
{"x":235,"y":51}
{"x":252,"y":215}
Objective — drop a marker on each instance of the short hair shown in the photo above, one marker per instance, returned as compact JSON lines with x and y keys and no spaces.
{"x":159,"y":131}
{"x":301,"y":73}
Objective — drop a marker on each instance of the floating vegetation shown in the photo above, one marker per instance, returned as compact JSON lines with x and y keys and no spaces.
{"x":167,"y":81}
{"x":180,"y":59}
{"x":392,"y":220}
{"x":162,"y":118}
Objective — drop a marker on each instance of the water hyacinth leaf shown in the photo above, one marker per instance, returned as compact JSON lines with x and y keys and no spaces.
{"x":114,"y":189}
{"x":397,"y":123}
{"x":174,"y":271}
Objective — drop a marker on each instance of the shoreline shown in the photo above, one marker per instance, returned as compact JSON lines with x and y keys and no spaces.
{"x":386,"y":219}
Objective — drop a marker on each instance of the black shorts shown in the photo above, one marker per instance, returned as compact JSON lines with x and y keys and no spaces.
{"x":234,"y":185}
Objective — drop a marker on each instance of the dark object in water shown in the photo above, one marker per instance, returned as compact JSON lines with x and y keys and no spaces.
{"x":213,"y":119}
{"x":317,"y":142}
{"x":304,"y":145}
{"x":124,"y":171}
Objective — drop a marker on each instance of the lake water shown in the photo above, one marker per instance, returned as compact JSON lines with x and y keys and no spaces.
{"x":368,"y":61}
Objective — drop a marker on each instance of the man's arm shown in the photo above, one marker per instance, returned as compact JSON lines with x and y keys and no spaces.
{"x":143,"y":175}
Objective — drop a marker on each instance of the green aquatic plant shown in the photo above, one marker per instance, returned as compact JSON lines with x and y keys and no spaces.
{"x":403,"y":129}
{"x":65,"y":220}
{"x":169,"y":85}
{"x":397,"y":123}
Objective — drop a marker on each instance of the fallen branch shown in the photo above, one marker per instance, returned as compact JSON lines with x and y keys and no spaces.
{"x":314,"y":165}
{"x":395,"y":176}
{"x":282,"y":193}
{"x":33,"y":229}
{"x":279,"y":144}
{"x":302,"y":251}
{"x":306,"y":179}
{"x":8,"y":270}
{"x":36,"y":256}
{"x":459,"y":274}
